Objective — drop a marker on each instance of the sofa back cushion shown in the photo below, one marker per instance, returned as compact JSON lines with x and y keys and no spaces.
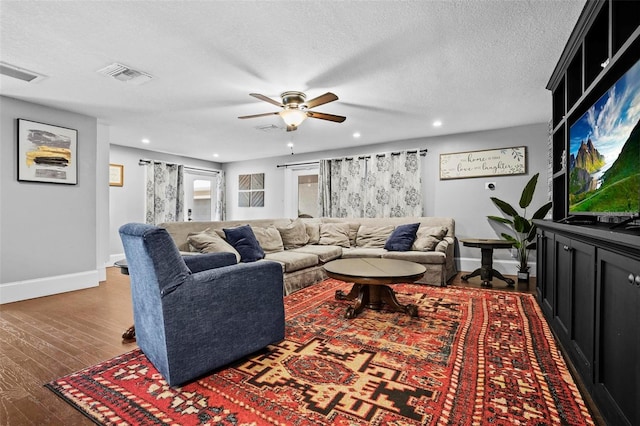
{"x":428,"y":237}
{"x":269,"y":238}
{"x":294,"y":235}
{"x":373,"y":236}
{"x":208,"y":241}
{"x":335,"y":234}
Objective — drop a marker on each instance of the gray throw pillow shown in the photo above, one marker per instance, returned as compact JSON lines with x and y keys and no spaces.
{"x":268,"y":238}
{"x":294,"y":235}
{"x":208,"y":241}
{"x":334,"y":234}
{"x":373,"y":236}
{"x":428,"y":237}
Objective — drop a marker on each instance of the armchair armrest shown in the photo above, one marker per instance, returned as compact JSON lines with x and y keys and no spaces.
{"x":202,"y":262}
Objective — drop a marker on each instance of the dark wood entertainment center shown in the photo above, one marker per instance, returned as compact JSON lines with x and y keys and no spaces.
{"x":588,"y":274}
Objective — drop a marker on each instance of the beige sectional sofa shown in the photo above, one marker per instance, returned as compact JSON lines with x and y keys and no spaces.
{"x":302,"y":246}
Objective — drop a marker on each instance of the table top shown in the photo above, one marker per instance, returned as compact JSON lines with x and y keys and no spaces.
{"x":481,"y":242}
{"x":367,"y":270}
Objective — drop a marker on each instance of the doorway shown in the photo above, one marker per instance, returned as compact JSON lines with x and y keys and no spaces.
{"x":301,"y":191}
{"x":199,"y":195}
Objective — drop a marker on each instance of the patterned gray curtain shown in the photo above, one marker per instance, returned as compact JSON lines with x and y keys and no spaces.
{"x":383,"y":185}
{"x":165,"y":193}
{"x":221,"y":204}
{"x":345,"y":178}
{"x":324,"y":188}
{"x":405,"y":184}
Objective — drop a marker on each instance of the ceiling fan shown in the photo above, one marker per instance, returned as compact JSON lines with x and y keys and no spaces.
{"x":295,"y":108}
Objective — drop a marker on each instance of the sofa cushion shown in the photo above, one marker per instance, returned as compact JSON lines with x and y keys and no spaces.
{"x":424,"y":257}
{"x":428,"y":237}
{"x":352,"y":252}
{"x":324,"y":253}
{"x":294,"y":235}
{"x":269,"y":238}
{"x":402,"y":237}
{"x":373,"y":236}
{"x":293,"y":261}
{"x":334,"y":234}
{"x":313,"y":231}
{"x":244,"y":241}
{"x":353,"y":233}
{"x":208,"y":241}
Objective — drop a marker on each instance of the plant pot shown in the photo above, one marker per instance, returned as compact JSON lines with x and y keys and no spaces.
{"x":523,"y":276}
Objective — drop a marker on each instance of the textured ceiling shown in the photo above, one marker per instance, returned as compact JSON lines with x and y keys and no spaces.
{"x":397,"y":66}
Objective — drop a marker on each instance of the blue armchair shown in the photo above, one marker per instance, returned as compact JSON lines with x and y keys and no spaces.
{"x":193,"y":314}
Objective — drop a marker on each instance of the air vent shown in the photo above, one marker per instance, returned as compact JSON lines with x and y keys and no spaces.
{"x":126,"y":74}
{"x":20,"y":73}
{"x":269,"y":128}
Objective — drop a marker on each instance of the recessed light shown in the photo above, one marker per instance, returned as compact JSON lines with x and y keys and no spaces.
{"x":356,"y":135}
{"x":216,"y":155}
{"x":146,"y":141}
{"x":290,"y":144}
{"x":437,"y":123}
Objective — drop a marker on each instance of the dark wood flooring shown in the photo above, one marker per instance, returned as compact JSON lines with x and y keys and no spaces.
{"x":45,"y":338}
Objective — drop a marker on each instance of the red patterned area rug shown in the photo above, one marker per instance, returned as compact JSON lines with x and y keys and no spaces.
{"x":473,"y":357}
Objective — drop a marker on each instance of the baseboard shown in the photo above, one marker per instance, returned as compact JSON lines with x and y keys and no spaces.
{"x":40,"y":287}
{"x":115,"y":257}
{"x":505,"y":267}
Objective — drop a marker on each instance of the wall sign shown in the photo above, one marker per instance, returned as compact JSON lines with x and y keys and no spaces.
{"x":490,"y":162}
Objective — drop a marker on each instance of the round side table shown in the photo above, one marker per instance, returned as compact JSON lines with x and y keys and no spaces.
{"x":486,"y":270}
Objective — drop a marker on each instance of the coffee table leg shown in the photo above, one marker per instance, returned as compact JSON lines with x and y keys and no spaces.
{"x":360,"y":302}
{"x":389,"y":297}
{"x":355,"y":290}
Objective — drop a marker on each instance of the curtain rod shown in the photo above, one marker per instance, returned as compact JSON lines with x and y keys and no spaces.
{"x":297,"y":164}
{"x":144,"y":162}
{"x":422,"y":153}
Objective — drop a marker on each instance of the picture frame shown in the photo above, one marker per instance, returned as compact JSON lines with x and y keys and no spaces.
{"x":116,"y":175}
{"x":488,"y":162}
{"x":251,"y":190}
{"x":47,"y":153}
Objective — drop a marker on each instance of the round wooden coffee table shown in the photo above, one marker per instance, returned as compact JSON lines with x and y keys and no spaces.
{"x":371,"y":277}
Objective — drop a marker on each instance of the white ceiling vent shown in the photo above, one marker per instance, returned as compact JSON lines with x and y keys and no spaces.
{"x":125,"y":73}
{"x":20,"y":73}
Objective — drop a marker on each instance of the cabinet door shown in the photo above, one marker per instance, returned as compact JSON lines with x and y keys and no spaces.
{"x":617,"y":378}
{"x":545,"y":272}
{"x":575,"y":302}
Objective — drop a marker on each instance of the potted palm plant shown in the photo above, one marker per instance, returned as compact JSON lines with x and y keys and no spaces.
{"x":523,"y":230}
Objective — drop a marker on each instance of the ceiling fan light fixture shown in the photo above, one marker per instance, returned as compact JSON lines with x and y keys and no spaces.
{"x":293,"y":117}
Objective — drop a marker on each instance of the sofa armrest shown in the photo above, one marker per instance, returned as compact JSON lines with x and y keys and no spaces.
{"x":205,"y":261}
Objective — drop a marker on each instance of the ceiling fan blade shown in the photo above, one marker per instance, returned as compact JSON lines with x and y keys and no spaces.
{"x":321,"y":100}
{"x":259,"y":115}
{"x":323,"y":116}
{"x":266,"y":99}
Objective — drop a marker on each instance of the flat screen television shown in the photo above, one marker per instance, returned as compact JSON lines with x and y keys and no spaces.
{"x":604,"y":153}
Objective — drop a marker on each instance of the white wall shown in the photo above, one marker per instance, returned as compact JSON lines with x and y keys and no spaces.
{"x":466,"y":200}
{"x":48,"y":240}
{"x":127,"y":202}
